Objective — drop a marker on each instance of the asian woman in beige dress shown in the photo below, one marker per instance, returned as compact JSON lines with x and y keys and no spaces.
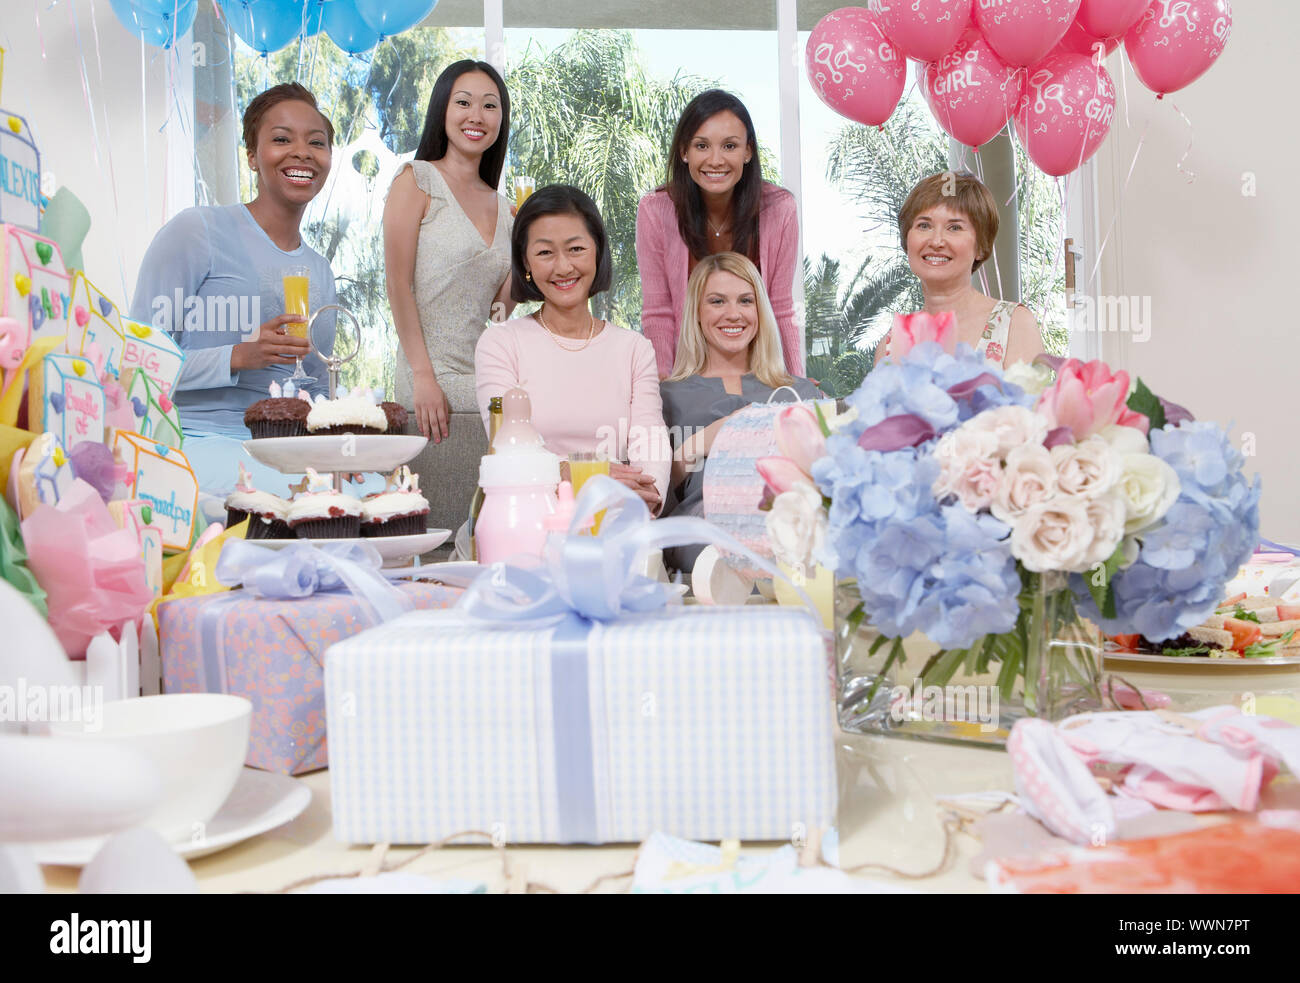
{"x":447,"y":244}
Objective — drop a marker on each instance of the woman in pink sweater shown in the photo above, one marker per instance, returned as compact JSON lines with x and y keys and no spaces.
{"x":715,"y":201}
{"x":593,"y":385}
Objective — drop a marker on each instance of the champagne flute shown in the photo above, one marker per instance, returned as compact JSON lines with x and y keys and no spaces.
{"x":583,"y":465}
{"x":297,"y":284}
{"x":524,"y":187}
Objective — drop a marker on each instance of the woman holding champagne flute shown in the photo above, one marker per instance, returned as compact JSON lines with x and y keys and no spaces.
{"x":232,"y":286}
{"x":447,"y":243}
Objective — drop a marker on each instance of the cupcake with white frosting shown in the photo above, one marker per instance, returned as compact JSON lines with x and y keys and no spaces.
{"x":317,"y":511}
{"x":399,"y":510}
{"x":351,"y":413}
{"x":266,"y":513}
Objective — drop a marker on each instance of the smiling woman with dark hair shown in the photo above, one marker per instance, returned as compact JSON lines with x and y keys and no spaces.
{"x":715,"y":200}
{"x":447,"y":243}
{"x":593,"y":385}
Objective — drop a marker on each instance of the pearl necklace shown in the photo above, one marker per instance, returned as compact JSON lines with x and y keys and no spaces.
{"x":717,"y":232}
{"x":591,"y":332}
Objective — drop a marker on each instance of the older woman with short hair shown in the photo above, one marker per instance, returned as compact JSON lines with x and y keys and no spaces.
{"x":948,"y":225}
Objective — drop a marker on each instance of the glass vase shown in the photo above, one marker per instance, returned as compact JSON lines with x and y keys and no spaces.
{"x":1049,"y":666}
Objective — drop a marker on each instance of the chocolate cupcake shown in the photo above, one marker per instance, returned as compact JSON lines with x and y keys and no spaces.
{"x":397,"y":416}
{"x":399,"y":510}
{"x":349,"y":415}
{"x":284,"y":414}
{"x":323,"y":513}
{"x":265,"y":512}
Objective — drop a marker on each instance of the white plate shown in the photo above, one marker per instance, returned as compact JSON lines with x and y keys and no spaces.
{"x":394,"y":549}
{"x":260,"y":801}
{"x":1201,"y":661}
{"x":332,"y":452}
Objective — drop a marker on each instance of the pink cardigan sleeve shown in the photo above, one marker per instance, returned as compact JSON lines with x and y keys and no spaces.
{"x":496,"y":367}
{"x":780,"y":274}
{"x":648,"y":445}
{"x":658,"y":322}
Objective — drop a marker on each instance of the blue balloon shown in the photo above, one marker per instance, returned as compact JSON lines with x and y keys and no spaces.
{"x":313,"y":17}
{"x":264,"y":25}
{"x":347,"y":29}
{"x":159,"y":29}
{"x":389,"y":17}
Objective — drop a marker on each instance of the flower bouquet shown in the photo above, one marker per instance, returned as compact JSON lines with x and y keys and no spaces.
{"x":993,"y":512}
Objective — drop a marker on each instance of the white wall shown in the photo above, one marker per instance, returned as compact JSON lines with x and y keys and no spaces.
{"x":1219,"y":265}
{"x":47,"y":90}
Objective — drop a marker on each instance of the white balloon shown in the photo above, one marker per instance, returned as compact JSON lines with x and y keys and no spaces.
{"x":138,"y":861}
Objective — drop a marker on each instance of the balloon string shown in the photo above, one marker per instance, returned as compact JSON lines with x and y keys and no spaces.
{"x":997,"y":270}
{"x":40,"y":35}
{"x":1118,"y":205}
{"x":1123,"y":79}
{"x":144,"y":135}
{"x":108,"y":133}
{"x":1191,"y":140}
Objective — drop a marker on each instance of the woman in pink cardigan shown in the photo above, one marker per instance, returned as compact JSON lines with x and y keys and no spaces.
{"x":715,"y":201}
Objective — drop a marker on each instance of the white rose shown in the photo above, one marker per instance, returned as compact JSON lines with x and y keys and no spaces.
{"x":1106,"y":513}
{"x":1013,"y":426}
{"x":968,"y":467}
{"x":1053,"y":535}
{"x":1032,"y":378}
{"x":1124,"y":440}
{"x":1086,"y":469}
{"x":1029,"y":478}
{"x":1148,"y":487}
{"x":796,"y":525}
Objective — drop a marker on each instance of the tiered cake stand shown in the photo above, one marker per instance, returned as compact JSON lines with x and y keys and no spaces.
{"x":349,"y":454}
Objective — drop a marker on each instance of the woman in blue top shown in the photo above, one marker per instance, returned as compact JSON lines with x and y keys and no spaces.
{"x":212,"y":279}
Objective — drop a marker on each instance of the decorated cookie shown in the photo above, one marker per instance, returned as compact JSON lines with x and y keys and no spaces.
{"x":94,"y":320}
{"x":66,"y":399}
{"x":15,"y":339}
{"x":20,"y":191}
{"x":164,"y":479}
{"x":44,"y":474}
{"x":153,"y":352}
{"x":137,"y":516}
{"x":160,"y":421}
{"x":35,"y":288}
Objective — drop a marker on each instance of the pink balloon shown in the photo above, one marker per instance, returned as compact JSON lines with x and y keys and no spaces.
{"x":853,"y":67}
{"x":1077,"y":41}
{"x":1023,"y":31}
{"x":1110,"y":18}
{"x":1065,"y":112}
{"x":923,"y":29}
{"x":971,"y":91}
{"x":1177,"y":41}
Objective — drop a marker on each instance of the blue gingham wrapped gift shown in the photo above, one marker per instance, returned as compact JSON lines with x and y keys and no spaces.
{"x":573,"y":704}
{"x":704,"y":723}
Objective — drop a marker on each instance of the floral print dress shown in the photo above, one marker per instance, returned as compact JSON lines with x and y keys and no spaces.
{"x":993,"y":340}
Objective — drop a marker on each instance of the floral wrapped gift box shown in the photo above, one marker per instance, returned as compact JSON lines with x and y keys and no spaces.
{"x":994,"y":516}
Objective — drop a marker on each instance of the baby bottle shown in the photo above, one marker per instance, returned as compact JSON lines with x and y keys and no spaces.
{"x":519,"y":482}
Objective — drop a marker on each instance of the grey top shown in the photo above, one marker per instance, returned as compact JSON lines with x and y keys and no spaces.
{"x":698,"y":401}
{"x":457,"y":275}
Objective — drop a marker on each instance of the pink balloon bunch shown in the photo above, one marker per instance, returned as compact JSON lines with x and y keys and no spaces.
{"x":1065,"y":112}
{"x":854,"y":68}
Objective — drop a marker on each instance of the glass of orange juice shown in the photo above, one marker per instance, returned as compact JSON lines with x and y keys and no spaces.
{"x":297,"y":285}
{"x":582,"y":465}
{"x":524,"y":187}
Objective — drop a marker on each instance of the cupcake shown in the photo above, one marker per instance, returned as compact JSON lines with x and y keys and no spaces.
{"x":317,"y":511}
{"x":355,"y":414}
{"x":396,"y":414}
{"x":265,"y":512}
{"x":399,"y":510}
{"x":283,"y":415}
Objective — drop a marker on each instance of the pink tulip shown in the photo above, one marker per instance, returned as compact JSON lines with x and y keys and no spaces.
{"x":911,"y":330}
{"x":799,"y":437}
{"x":781,"y":473}
{"x":1087,"y":398}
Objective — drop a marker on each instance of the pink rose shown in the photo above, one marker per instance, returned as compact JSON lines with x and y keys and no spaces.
{"x":911,"y":330}
{"x":1087,"y":398}
{"x":969,"y":467}
{"x":1029,"y":478}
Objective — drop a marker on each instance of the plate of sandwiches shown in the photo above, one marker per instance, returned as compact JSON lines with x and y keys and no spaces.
{"x":1243,"y":631}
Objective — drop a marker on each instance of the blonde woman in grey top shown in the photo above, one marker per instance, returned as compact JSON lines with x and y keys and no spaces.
{"x":447,"y":244}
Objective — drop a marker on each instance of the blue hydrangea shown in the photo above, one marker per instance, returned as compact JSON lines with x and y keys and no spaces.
{"x":919,"y":565}
{"x":1187,"y":558}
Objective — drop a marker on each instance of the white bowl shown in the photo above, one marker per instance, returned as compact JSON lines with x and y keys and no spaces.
{"x":198,"y":741}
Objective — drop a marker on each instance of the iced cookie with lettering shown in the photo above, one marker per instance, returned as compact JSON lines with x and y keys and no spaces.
{"x":20,"y":189}
{"x":35,"y":288}
{"x":152,"y":352}
{"x":66,"y":399}
{"x":164,"y":479}
{"x":44,"y":474}
{"x":137,"y":516}
{"x":160,"y":420}
{"x":94,"y":320}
